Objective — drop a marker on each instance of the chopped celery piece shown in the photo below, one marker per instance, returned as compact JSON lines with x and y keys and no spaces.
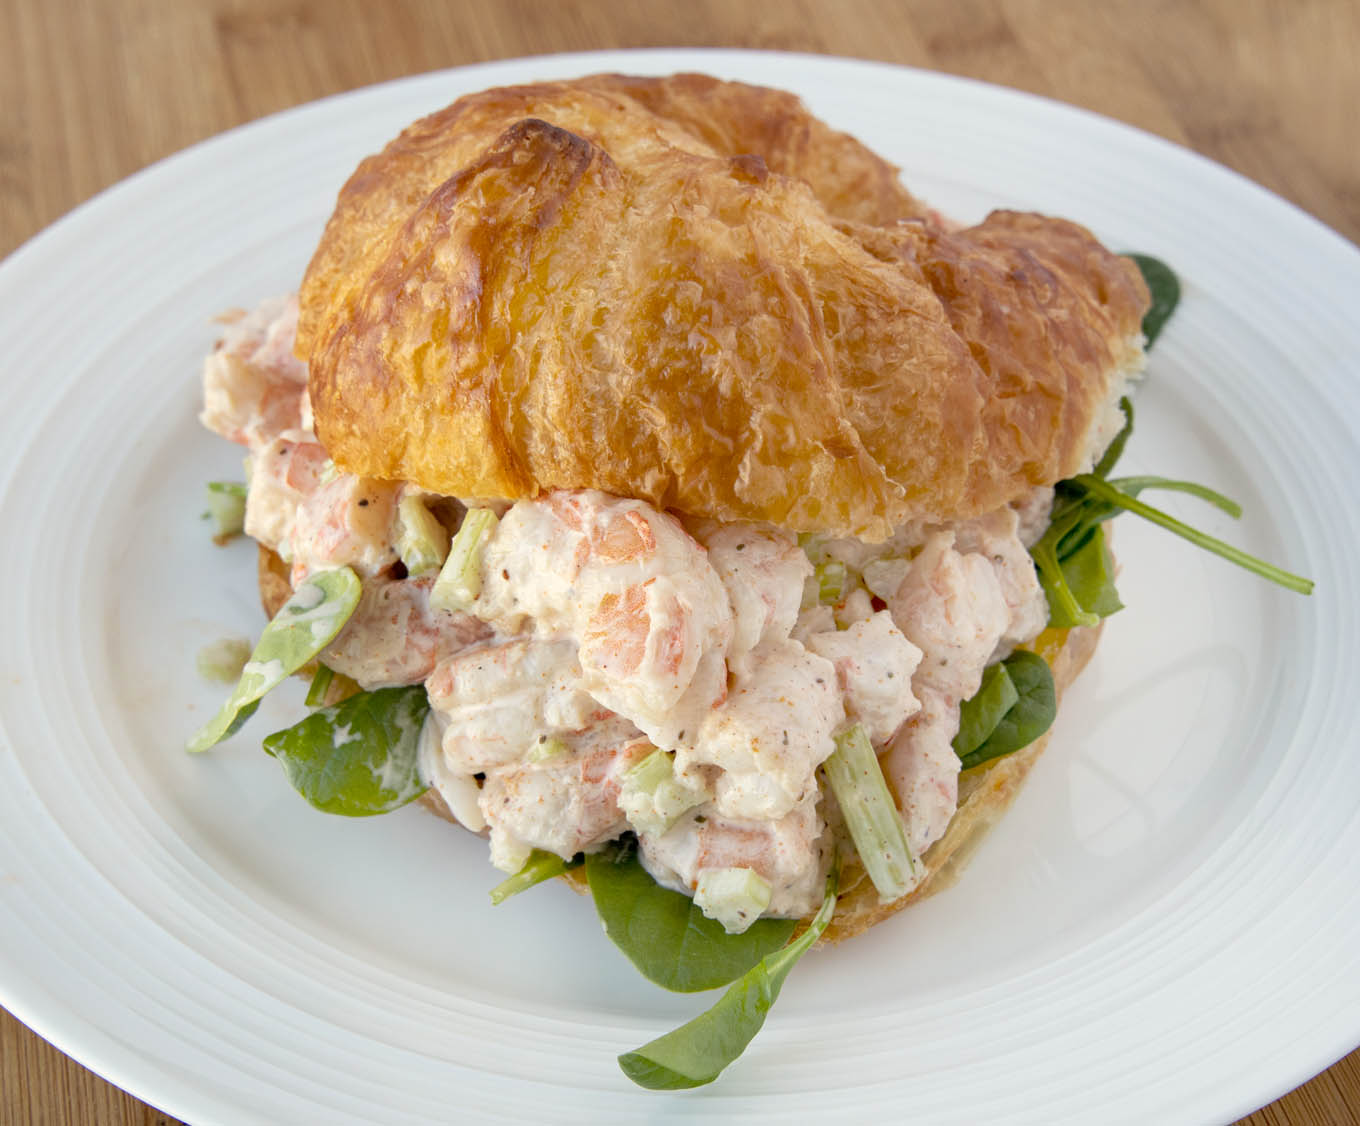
{"x":870,"y":814}
{"x":814,"y":546}
{"x":321,"y":682}
{"x":546,"y":747}
{"x":811,"y":594}
{"x":304,"y":625}
{"x":656,"y":768}
{"x":652,"y":798}
{"x":832,"y":581}
{"x":539,"y":867}
{"x":422,"y":541}
{"x":226,"y":508}
{"x":735,"y":897}
{"x":460,"y":580}
{"x":329,"y":687}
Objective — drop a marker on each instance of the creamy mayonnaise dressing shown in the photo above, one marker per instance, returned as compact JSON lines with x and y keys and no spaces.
{"x":605,"y":630}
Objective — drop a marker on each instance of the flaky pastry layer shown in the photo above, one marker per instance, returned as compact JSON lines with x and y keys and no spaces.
{"x":694,"y":293}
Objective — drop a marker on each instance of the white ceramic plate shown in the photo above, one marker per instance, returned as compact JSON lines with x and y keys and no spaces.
{"x":1164,"y":929}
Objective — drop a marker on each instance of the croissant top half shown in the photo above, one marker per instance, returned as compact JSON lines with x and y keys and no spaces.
{"x":695,"y":293}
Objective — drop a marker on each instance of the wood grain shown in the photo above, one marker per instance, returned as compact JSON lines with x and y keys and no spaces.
{"x":95,"y":89}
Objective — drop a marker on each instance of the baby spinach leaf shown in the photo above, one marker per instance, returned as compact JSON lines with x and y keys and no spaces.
{"x":1088,"y":573}
{"x":1071,"y":559}
{"x":540,"y":866}
{"x":359,"y":757}
{"x":1028,"y":718}
{"x":1165,"y":289}
{"x":664,"y":934}
{"x":979,"y":715}
{"x":304,"y":625}
{"x":697,"y":1052}
{"x":1065,"y":609}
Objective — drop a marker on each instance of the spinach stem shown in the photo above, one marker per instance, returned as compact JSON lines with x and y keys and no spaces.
{"x":1134,"y":485}
{"x":1108,"y":491}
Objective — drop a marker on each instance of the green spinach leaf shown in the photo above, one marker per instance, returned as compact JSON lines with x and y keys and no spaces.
{"x":1088,"y":573}
{"x":980,"y":713}
{"x":1165,"y":289}
{"x":664,"y":934}
{"x":359,"y":757}
{"x":696,"y":1053}
{"x":1110,"y":493}
{"x":1028,"y":718}
{"x":304,"y":625}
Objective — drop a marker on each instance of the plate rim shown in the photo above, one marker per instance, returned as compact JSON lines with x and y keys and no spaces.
{"x":37,"y":244}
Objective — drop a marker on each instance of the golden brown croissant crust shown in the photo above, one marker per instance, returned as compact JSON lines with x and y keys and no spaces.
{"x":694,"y":293}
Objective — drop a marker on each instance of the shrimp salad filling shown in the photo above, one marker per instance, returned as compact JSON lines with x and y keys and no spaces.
{"x":726,"y":711}
{"x":603,"y":667}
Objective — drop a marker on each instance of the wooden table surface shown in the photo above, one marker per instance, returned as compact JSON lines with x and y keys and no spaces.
{"x":96,"y":90}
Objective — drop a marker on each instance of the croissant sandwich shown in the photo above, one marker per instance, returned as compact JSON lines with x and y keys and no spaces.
{"x":654,"y":486}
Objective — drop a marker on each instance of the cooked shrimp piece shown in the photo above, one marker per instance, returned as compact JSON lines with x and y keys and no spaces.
{"x":770,"y":734}
{"x":970,"y":591}
{"x":632,"y":587}
{"x":500,"y":698}
{"x":763,"y":571}
{"x":459,"y":790}
{"x":254,"y":388}
{"x":394,"y":637}
{"x":952,"y":607}
{"x":923,"y":770}
{"x":996,"y":537}
{"x":857,"y":606}
{"x":346,"y":521}
{"x":315,"y":517}
{"x":564,"y":804}
{"x":281,"y":473}
{"x":873,"y":663}
{"x":787,"y":851}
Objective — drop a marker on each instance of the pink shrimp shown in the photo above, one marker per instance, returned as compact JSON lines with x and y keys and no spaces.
{"x":500,"y":699}
{"x":631,"y":587}
{"x":970,"y":591}
{"x":997,"y":537}
{"x":786,"y":851}
{"x":923,"y":770}
{"x":254,"y":388}
{"x":314,"y":516}
{"x":565,"y":803}
{"x":345,"y":521}
{"x":763,"y":571}
{"x":394,"y":637}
